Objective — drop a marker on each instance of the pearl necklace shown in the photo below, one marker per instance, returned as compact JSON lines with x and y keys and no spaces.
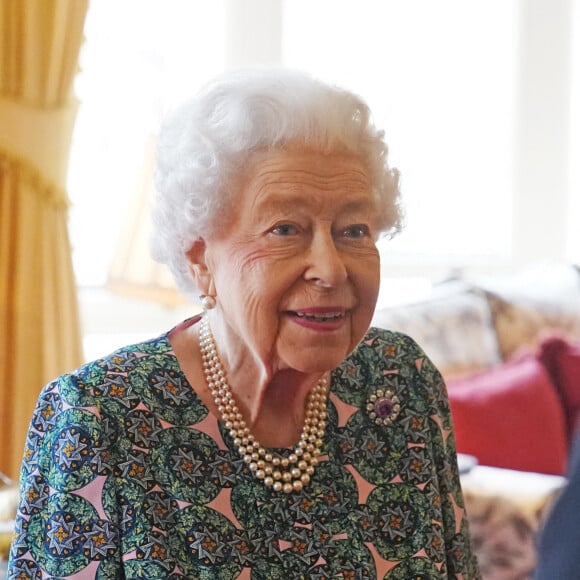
{"x":280,"y":473}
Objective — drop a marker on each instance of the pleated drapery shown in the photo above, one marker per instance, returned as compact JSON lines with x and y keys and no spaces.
{"x":39,"y":320}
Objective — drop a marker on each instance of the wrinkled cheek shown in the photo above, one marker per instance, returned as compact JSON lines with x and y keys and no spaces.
{"x":369,"y":286}
{"x":372,"y":286}
{"x":254,"y":308}
{"x":234,"y":279}
{"x":369,"y":307}
{"x":369,"y":295}
{"x":258,"y":316}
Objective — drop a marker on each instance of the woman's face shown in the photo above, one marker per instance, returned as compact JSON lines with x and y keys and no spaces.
{"x":296,"y":269}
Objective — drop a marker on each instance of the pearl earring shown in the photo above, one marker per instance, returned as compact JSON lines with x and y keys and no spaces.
{"x":207,"y":302}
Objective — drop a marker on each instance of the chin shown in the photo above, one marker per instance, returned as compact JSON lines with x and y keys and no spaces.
{"x":317,"y":362}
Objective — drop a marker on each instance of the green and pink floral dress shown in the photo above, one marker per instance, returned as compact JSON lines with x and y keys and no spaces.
{"x":126,"y":474}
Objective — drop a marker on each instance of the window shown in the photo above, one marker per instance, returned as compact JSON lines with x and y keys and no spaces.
{"x":573,"y":224}
{"x":444,"y":94}
{"x":444,"y":79}
{"x":139,"y":58}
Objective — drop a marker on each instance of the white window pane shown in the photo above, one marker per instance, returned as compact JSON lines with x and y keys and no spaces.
{"x":439,"y":77}
{"x":573,"y":240}
{"x":140,"y":56}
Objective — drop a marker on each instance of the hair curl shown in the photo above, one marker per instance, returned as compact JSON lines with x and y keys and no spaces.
{"x":207,"y":141}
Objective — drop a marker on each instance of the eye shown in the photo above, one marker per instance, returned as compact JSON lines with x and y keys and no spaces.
{"x":357,"y":231}
{"x":284,"y":230}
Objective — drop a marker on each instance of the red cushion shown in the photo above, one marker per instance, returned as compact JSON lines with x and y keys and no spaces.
{"x":510,"y":417}
{"x":562,"y":361}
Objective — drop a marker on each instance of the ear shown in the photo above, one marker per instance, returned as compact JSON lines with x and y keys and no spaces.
{"x":197,"y":258}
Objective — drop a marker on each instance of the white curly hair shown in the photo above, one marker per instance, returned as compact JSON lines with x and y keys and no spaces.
{"x":205,"y":144}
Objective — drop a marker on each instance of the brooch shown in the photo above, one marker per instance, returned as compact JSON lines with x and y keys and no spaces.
{"x":383,"y":406}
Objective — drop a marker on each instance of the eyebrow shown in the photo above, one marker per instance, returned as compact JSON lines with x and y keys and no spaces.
{"x":283,"y":202}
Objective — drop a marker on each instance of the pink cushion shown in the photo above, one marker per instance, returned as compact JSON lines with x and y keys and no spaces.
{"x":562,"y":361}
{"x":511,"y":417}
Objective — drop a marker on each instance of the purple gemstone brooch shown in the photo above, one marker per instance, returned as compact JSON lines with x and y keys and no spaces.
{"x":383,"y":406}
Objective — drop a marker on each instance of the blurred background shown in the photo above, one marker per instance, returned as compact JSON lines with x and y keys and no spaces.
{"x":476,"y":99}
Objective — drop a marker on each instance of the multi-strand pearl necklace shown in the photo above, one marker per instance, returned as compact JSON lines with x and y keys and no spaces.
{"x":285,"y":474}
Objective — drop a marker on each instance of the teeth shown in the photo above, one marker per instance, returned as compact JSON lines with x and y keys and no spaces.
{"x":326,"y":316}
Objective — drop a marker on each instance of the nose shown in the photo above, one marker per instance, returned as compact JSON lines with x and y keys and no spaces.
{"x":325,"y":263}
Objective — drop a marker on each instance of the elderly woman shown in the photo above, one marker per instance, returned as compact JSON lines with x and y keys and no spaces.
{"x":275,"y":435}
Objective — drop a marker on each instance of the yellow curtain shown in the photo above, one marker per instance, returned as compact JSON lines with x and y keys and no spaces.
{"x":39,"y":321}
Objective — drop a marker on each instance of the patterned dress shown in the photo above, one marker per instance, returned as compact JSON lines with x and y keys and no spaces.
{"x":126,"y":474}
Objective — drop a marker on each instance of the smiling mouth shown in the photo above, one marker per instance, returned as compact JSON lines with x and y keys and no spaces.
{"x":319,"y":316}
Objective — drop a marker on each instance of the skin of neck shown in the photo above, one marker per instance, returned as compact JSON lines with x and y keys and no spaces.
{"x":268,"y":397}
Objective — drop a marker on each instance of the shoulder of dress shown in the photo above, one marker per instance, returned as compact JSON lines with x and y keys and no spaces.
{"x":380,"y":340}
{"x":128,"y":357}
{"x":390,"y":349}
{"x":120,"y":362}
